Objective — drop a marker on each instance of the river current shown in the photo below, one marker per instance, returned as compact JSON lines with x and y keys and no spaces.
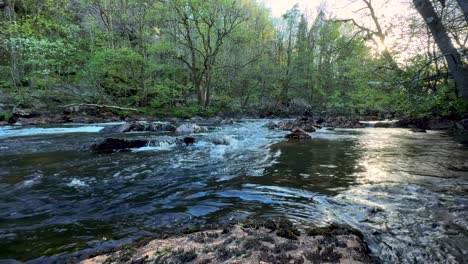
{"x":407,"y":192}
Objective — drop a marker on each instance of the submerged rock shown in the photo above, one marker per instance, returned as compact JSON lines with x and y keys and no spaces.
{"x":418,"y":130}
{"x":139,"y":127}
{"x":297,"y":133}
{"x":190,"y":128}
{"x":249,"y":242}
{"x":189,"y":141}
{"x":115,"y":144}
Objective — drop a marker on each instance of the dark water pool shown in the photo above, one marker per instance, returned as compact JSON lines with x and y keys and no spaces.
{"x":406,"y":192}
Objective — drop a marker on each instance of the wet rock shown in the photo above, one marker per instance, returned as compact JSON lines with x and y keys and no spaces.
{"x":285,"y":125}
{"x":271,"y":125}
{"x":190,"y":128}
{"x":228,"y":121}
{"x":422,"y":123}
{"x":305,"y":123}
{"x":464,"y":123}
{"x":24,"y":113}
{"x":214,"y":120}
{"x":189,"y":141}
{"x":168,"y":128}
{"x":247,"y":243}
{"x":297,"y":133}
{"x":418,"y":130}
{"x":330,"y":128}
{"x":342,"y":122}
{"x":219,"y":141}
{"x":441,"y":124}
{"x":139,"y":127}
{"x":382,"y":124}
{"x":115,"y":144}
{"x":117,"y":128}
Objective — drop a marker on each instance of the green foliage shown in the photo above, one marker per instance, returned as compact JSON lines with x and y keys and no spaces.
{"x":117,"y":71}
{"x":162,"y":56}
{"x":5,"y":116}
{"x":42,"y":57}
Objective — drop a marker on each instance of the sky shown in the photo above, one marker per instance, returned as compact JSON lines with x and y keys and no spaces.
{"x":389,"y":14}
{"x":341,"y":8}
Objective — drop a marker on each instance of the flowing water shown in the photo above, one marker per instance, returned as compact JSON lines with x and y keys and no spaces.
{"x":406,"y":192}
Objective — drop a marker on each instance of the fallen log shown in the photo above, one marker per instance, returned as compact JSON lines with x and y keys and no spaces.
{"x":99,"y":106}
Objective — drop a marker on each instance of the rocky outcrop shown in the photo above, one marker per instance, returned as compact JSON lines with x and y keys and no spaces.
{"x":139,"y":127}
{"x":307,"y":124}
{"x":115,"y":144}
{"x":298,"y":133}
{"x":342,"y":122}
{"x":270,"y":241}
{"x":190,"y":128}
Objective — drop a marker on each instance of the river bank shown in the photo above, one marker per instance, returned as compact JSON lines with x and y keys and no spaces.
{"x":86,"y":115}
{"x":251,"y":241}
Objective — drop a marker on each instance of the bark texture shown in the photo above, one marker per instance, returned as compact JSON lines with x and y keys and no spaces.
{"x":444,"y":43}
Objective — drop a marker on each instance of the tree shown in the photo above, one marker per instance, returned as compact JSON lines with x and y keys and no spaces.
{"x":378,"y":32}
{"x":464,"y":7}
{"x":202,"y":28}
{"x":458,"y":70}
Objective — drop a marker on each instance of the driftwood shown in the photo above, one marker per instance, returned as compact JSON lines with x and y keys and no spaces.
{"x":100,"y":106}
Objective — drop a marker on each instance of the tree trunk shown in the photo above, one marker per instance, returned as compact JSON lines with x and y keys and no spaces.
{"x":443,"y":41}
{"x":464,"y":7}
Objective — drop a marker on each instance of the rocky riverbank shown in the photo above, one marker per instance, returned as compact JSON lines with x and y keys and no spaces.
{"x":299,"y":127}
{"x":267,"y":241}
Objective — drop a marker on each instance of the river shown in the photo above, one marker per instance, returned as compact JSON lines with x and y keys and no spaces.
{"x":407,"y":192}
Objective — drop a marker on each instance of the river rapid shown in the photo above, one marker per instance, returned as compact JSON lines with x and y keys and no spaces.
{"x":407,"y":192}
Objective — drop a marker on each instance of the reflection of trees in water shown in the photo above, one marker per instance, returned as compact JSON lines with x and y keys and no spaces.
{"x":321,"y":166}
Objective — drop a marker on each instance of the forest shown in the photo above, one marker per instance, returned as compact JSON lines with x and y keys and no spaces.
{"x":181,"y":58}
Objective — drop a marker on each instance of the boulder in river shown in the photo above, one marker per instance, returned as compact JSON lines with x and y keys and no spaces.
{"x":115,"y":144}
{"x":418,"y":130}
{"x":189,"y":141}
{"x":298,"y":133}
{"x":139,"y":127}
{"x":305,"y":123}
{"x":190,"y":128}
{"x":342,"y":122}
{"x":271,"y":125}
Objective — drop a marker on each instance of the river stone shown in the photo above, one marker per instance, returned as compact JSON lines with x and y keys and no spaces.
{"x":190,"y":128}
{"x":271,"y":125}
{"x":249,"y":242}
{"x":117,"y":128}
{"x":138,"y":127}
{"x":298,"y":133}
{"x":441,"y":124}
{"x":305,"y":123}
{"x":418,"y":130}
{"x":24,"y":113}
{"x":115,"y":144}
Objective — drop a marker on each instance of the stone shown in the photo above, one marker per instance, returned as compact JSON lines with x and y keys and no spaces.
{"x":189,"y":141}
{"x":418,"y":130}
{"x":115,"y":144}
{"x":298,"y":133}
{"x":190,"y":128}
{"x":271,"y":125}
